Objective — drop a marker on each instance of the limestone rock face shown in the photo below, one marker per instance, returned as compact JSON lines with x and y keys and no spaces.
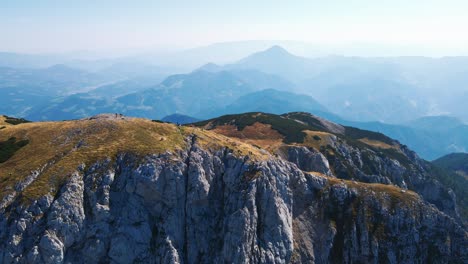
{"x":308,"y":159}
{"x":200,"y":206}
{"x":367,"y":165}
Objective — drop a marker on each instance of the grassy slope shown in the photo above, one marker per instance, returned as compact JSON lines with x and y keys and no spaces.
{"x":452,"y":171}
{"x":3,"y":122}
{"x":296,"y":128}
{"x":60,"y":147}
{"x":379,"y":190}
{"x":66,"y":145}
{"x":457,"y":162}
{"x":311,"y":133}
{"x":293,"y":131}
{"x":6,"y":120}
{"x":9,"y":147}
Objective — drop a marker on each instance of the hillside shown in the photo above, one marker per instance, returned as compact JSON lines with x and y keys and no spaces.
{"x":179,"y":119}
{"x":454,"y":173}
{"x":272,"y":101}
{"x":260,"y":187}
{"x":351,"y":153}
{"x":456,"y":162}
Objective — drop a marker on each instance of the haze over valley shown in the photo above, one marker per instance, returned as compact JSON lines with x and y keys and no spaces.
{"x":392,"y":95}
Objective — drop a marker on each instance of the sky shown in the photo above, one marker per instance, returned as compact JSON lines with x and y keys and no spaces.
{"x":35,"y":26}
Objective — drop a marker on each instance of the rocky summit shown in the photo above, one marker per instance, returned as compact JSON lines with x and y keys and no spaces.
{"x":250,"y":188}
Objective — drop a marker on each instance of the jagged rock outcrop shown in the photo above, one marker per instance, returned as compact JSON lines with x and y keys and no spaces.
{"x":364,"y":164}
{"x":315,"y":144}
{"x":308,"y":159}
{"x":202,"y":206}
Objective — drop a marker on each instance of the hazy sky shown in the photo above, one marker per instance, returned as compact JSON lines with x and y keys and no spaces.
{"x":59,"y":26}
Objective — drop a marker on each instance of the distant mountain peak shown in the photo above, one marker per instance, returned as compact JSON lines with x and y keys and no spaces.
{"x":211,"y":64}
{"x":210,"y":67}
{"x":179,"y":119}
{"x":274,"y":60}
{"x":275,"y":51}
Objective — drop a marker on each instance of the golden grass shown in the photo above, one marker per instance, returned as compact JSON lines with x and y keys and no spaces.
{"x":263,"y":136}
{"x":310,"y":141}
{"x":209,"y":139}
{"x":64,"y":146}
{"x":378,"y":144}
{"x":388,"y":196}
{"x":378,"y":189}
{"x":56,"y":144}
{"x":316,"y":173}
{"x":255,"y":131}
{"x":258,"y":134}
{"x":2,"y":121}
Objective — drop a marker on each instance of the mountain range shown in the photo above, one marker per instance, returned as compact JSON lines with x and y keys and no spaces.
{"x":365,"y":89}
{"x":389,"y":95}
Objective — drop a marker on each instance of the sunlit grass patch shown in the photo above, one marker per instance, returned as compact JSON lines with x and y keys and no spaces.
{"x":63,"y":146}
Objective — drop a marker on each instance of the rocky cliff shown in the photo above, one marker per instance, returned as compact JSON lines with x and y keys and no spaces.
{"x":188,"y":195}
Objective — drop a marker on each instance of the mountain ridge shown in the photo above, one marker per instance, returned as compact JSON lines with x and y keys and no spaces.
{"x":119,"y":187}
{"x":303,"y":129}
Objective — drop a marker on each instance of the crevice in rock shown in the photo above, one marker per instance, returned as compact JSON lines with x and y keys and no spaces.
{"x":192,"y":141}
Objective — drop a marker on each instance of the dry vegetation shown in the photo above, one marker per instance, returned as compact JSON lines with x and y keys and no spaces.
{"x":378,"y":144}
{"x":59,"y":148}
{"x":209,"y":139}
{"x":379,"y":190}
{"x":317,"y":139}
{"x":2,"y":121}
{"x":258,"y":134}
{"x":63,"y":146}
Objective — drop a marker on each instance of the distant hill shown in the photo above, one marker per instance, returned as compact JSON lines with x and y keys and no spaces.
{"x":55,"y":80}
{"x":18,"y":60}
{"x":436,"y":123}
{"x":356,"y":88}
{"x":273,"y":101}
{"x":133,"y":69}
{"x":388,"y":95}
{"x":258,"y":79}
{"x":391,"y":90}
{"x":430,"y":137}
{"x":374,"y":100}
{"x":456,"y":162}
{"x":200,"y":92}
{"x":125,"y":87}
{"x":179,"y":119}
{"x":196,"y":93}
{"x":22,"y":90}
{"x":275,"y":60}
{"x":454,"y":173}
